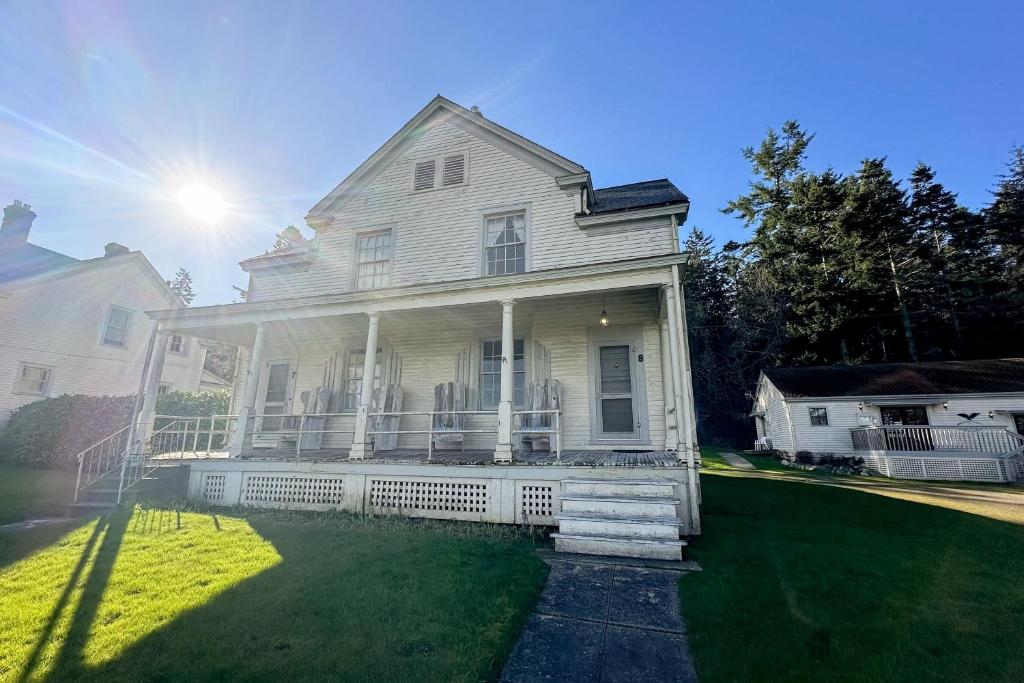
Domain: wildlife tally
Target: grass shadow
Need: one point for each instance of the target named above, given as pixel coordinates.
(16, 545)
(350, 599)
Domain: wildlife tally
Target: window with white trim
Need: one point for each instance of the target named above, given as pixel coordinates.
(33, 379)
(178, 344)
(117, 326)
(819, 417)
(352, 381)
(490, 374)
(505, 243)
(373, 259)
(452, 167)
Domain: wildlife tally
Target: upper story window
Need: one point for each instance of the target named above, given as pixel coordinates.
(373, 259)
(178, 344)
(115, 331)
(505, 243)
(819, 417)
(33, 379)
(447, 170)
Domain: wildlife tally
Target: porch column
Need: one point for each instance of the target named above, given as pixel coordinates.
(252, 383)
(682, 430)
(687, 416)
(503, 451)
(144, 425)
(671, 417)
(360, 442)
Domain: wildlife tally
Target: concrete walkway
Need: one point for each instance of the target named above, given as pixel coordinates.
(604, 622)
(738, 461)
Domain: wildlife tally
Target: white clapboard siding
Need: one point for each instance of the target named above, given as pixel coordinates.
(58, 323)
(771, 402)
(428, 343)
(437, 233)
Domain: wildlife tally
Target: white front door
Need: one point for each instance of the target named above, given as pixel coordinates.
(618, 400)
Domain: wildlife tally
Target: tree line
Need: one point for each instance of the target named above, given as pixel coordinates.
(848, 269)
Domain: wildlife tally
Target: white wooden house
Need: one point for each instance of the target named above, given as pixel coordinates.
(475, 332)
(80, 327)
(941, 420)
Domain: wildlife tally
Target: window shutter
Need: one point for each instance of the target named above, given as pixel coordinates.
(454, 170)
(424, 178)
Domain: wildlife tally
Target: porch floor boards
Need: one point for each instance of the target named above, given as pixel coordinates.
(570, 458)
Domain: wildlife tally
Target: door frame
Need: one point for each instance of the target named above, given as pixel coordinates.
(628, 335)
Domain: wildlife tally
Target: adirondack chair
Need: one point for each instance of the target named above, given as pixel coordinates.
(386, 400)
(538, 431)
(448, 424)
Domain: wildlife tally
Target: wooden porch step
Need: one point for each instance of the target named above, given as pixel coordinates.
(619, 546)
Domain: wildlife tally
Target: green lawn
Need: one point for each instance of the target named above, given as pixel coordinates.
(156, 594)
(27, 493)
(809, 578)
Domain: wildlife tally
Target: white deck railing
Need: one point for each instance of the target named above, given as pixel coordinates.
(918, 438)
(191, 436)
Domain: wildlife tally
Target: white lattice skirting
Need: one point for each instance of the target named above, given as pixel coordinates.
(940, 468)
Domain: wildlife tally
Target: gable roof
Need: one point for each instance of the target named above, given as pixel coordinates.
(636, 195)
(554, 163)
(74, 267)
(901, 379)
(26, 260)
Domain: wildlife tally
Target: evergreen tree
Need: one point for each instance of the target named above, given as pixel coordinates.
(1004, 220)
(181, 285)
(288, 238)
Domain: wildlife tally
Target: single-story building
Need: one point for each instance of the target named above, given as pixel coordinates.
(940, 420)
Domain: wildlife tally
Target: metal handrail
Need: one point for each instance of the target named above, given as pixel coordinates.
(87, 454)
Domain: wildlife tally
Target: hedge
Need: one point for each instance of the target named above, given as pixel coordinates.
(51, 432)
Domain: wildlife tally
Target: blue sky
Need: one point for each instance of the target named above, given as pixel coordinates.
(107, 109)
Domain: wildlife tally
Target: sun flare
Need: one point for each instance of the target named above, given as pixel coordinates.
(202, 202)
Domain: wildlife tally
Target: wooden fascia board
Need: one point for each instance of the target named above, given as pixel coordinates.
(454, 293)
(896, 399)
(602, 219)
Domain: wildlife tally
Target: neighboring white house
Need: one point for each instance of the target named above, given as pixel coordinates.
(919, 418)
(79, 327)
(461, 280)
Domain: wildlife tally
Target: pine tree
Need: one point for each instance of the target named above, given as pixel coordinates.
(1004, 220)
(288, 238)
(181, 285)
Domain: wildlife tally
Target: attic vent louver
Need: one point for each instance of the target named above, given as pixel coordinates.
(424, 177)
(454, 170)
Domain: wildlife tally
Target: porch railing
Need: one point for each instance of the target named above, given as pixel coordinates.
(190, 436)
(286, 428)
(539, 423)
(100, 459)
(431, 430)
(924, 438)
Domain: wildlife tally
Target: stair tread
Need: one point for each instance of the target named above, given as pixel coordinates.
(620, 499)
(621, 539)
(584, 480)
(594, 517)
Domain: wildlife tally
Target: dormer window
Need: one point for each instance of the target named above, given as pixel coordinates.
(448, 170)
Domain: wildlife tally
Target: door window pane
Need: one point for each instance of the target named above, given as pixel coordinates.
(617, 415)
(615, 371)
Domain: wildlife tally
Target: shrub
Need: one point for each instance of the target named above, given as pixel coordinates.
(805, 457)
(193, 404)
(52, 431)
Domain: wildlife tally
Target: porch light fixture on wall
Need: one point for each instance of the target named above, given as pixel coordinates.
(860, 406)
(991, 414)
(604, 313)
(945, 405)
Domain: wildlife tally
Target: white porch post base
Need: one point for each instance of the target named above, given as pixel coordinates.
(238, 435)
(359, 446)
(503, 451)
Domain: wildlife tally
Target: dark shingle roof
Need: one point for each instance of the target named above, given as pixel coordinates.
(901, 379)
(26, 260)
(636, 195)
